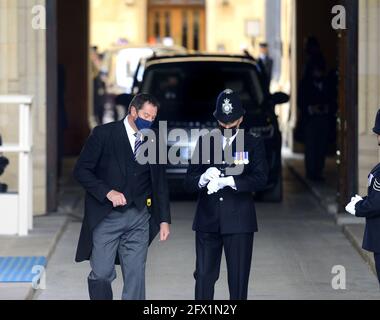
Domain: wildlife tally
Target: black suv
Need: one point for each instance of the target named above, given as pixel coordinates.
(187, 87)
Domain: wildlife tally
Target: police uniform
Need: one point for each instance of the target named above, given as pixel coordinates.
(227, 219)
(369, 208)
(317, 107)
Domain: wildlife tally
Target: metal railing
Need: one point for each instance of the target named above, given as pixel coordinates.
(25, 169)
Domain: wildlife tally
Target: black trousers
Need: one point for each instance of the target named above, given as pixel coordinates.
(316, 143)
(377, 263)
(238, 251)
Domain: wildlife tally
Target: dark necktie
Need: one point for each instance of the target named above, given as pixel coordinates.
(139, 141)
(228, 140)
(227, 149)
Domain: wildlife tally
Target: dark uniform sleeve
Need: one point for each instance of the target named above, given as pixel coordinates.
(370, 206)
(84, 171)
(194, 171)
(256, 177)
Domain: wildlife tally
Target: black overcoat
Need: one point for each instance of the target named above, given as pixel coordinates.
(104, 165)
(229, 211)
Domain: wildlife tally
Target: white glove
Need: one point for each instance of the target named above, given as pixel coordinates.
(350, 208)
(213, 186)
(210, 174)
(220, 183)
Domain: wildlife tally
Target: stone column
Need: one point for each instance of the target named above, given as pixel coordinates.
(23, 71)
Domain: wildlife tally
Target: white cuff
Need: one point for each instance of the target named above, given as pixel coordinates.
(230, 181)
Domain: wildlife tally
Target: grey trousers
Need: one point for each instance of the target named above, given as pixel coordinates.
(125, 234)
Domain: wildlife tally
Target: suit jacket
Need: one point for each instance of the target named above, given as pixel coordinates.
(104, 165)
(267, 67)
(369, 208)
(229, 211)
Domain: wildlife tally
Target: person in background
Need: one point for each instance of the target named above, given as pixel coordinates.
(265, 63)
(369, 208)
(313, 52)
(316, 106)
(99, 86)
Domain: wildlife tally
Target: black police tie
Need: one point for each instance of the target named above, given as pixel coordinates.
(227, 152)
(227, 143)
(138, 143)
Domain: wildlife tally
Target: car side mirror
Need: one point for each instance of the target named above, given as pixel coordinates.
(280, 98)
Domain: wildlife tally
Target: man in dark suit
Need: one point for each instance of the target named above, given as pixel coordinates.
(265, 62)
(369, 208)
(126, 203)
(225, 215)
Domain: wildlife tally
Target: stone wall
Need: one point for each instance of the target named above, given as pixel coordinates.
(23, 71)
(225, 24)
(113, 19)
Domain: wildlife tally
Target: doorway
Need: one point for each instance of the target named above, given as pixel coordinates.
(67, 44)
(182, 25)
(340, 50)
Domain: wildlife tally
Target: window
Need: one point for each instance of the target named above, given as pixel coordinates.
(188, 91)
(157, 32)
(167, 24)
(184, 28)
(196, 29)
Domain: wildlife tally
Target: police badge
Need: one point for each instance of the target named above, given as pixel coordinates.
(227, 107)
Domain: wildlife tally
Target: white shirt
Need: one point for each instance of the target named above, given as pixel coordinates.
(231, 139)
(131, 133)
(263, 56)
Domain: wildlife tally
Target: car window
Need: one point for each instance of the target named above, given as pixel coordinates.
(187, 91)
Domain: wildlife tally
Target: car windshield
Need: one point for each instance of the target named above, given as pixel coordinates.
(187, 91)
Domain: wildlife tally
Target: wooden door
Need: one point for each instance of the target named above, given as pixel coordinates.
(348, 105)
(185, 25)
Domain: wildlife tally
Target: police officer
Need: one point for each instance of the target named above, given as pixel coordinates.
(225, 217)
(265, 63)
(317, 109)
(369, 208)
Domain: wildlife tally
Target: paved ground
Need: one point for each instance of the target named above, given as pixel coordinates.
(39, 242)
(295, 251)
(325, 193)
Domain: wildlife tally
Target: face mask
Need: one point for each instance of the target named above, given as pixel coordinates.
(142, 124)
